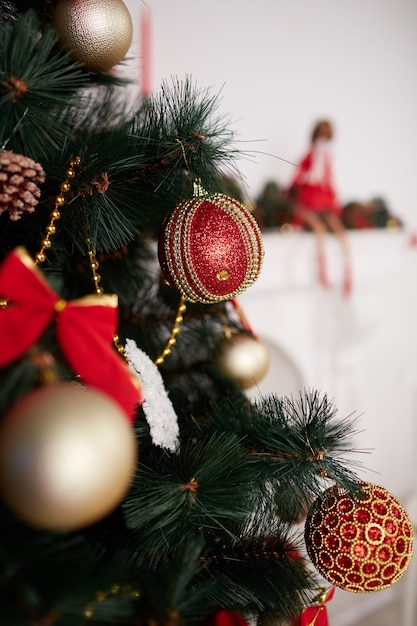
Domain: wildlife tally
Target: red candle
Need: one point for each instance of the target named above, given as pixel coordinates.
(145, 81)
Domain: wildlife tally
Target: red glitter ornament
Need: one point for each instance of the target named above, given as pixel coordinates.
(224, 617)
(210, 248)
(360, 544)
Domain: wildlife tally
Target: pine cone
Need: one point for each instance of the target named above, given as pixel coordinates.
(19, 178)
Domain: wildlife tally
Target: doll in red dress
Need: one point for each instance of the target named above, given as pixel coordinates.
(314, 200)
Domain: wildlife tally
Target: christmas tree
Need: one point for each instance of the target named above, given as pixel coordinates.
(138, 483)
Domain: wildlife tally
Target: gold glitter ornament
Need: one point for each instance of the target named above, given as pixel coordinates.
(360, 544)
(67, 456)
(98, 33)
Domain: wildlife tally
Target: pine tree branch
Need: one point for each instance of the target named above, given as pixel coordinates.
(36, 77)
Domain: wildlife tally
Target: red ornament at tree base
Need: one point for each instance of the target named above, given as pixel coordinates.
(316, 614)
(360, 544)
(224, 617)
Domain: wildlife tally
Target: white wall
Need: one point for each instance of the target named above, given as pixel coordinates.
(282, 64)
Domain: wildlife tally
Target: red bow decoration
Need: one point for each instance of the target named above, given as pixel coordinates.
(84, 328)
(316, 614)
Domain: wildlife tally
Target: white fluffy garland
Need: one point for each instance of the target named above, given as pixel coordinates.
(158, 409)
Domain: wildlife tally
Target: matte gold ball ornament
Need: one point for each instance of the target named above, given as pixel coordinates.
(243, 359)
(97, 33)
(67, 457)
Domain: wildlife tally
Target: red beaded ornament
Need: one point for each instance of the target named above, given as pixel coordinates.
(210, 248)
(360, 544)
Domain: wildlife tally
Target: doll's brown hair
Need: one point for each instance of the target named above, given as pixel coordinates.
(318, 129)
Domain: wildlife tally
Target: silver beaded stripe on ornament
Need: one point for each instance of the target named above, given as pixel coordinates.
(200, 293)
(252, 239)
(324, 561)
(172, 247)
(168, 244)
(177, 248)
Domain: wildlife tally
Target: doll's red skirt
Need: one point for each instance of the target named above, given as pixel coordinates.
(318, 199)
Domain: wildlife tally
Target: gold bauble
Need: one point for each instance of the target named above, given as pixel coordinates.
(242, 359)
(97, 33)
(67, 456)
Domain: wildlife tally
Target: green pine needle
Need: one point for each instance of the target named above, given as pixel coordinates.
(37, 77)
(206, 487)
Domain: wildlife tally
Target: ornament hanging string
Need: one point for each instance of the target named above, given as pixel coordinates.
(316, 456)
(84, 328)
(242, 317)
(198, 189)
(184, 156)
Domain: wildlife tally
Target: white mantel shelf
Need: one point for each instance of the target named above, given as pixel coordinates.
(289, 258)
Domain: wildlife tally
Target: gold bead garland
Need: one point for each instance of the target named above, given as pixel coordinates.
(55, 215)
(101, 596)
(174, 332)
(94, 265)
